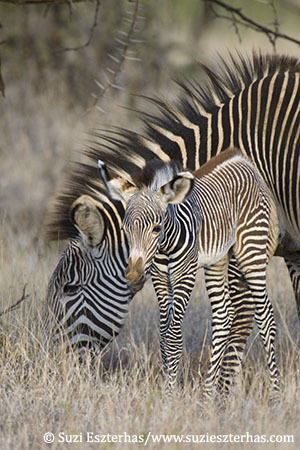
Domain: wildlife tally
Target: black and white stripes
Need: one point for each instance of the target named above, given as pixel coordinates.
(197, 220)
(88, 295)
(251, 103)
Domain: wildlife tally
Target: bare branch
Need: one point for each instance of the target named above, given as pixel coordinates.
(250, 23)
(15, 305)
(91, 34)
(275, 23)
(236, 28)
(276, 17)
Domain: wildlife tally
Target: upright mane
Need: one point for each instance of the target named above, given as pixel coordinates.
(156, 173)
(168, 134)
(234, 73)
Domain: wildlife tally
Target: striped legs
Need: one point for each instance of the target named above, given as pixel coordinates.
(172, 306)
(222, 318)
(254, 270)
(162, 287)
(244, 307)
(264, 317)
(234, 301)
(248, 296)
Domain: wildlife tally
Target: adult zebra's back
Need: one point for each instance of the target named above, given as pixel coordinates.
(250, 103)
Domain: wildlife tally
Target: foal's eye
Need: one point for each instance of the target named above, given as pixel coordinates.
(156, 229)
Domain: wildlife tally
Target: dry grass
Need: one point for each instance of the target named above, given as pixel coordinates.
(124, 390)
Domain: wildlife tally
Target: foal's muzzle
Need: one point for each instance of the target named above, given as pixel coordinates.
(135, 274)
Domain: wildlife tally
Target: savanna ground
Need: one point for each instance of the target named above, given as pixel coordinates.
(43, 120)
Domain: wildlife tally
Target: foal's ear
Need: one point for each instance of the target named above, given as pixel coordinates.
(117, 188)
(87, 217)
(178, 189)
(120, 189)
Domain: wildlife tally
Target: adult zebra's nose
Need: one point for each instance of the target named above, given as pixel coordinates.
(135, 273)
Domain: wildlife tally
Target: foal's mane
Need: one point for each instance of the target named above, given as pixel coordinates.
(156, 173)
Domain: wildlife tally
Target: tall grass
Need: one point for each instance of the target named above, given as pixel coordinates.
(123, 389)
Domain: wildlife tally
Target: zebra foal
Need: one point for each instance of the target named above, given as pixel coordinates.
(176, 221)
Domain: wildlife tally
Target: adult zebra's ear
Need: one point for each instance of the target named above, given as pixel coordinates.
(86, 216)
(178, 189)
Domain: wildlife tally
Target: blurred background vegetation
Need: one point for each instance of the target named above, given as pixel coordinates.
(174, 34)
(50, 92)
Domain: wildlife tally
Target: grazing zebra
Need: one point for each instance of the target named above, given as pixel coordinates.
(88, 295)
(223, 207)
(249, 103)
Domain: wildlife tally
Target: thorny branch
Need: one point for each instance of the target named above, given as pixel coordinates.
(15, 305)
(125, 42)
(239, 18)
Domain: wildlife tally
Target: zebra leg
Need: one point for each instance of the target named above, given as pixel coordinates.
(254, 271)
(173, 294)
(293, 265)
(173, 337)
(244, 308)
(222, 317)
(264, 317)
(161, 284)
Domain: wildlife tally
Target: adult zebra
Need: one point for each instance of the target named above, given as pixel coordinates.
(250, 103)
(88, 296)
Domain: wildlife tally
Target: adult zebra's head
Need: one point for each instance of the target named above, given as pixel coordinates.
(157, 185)
(88, 293)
